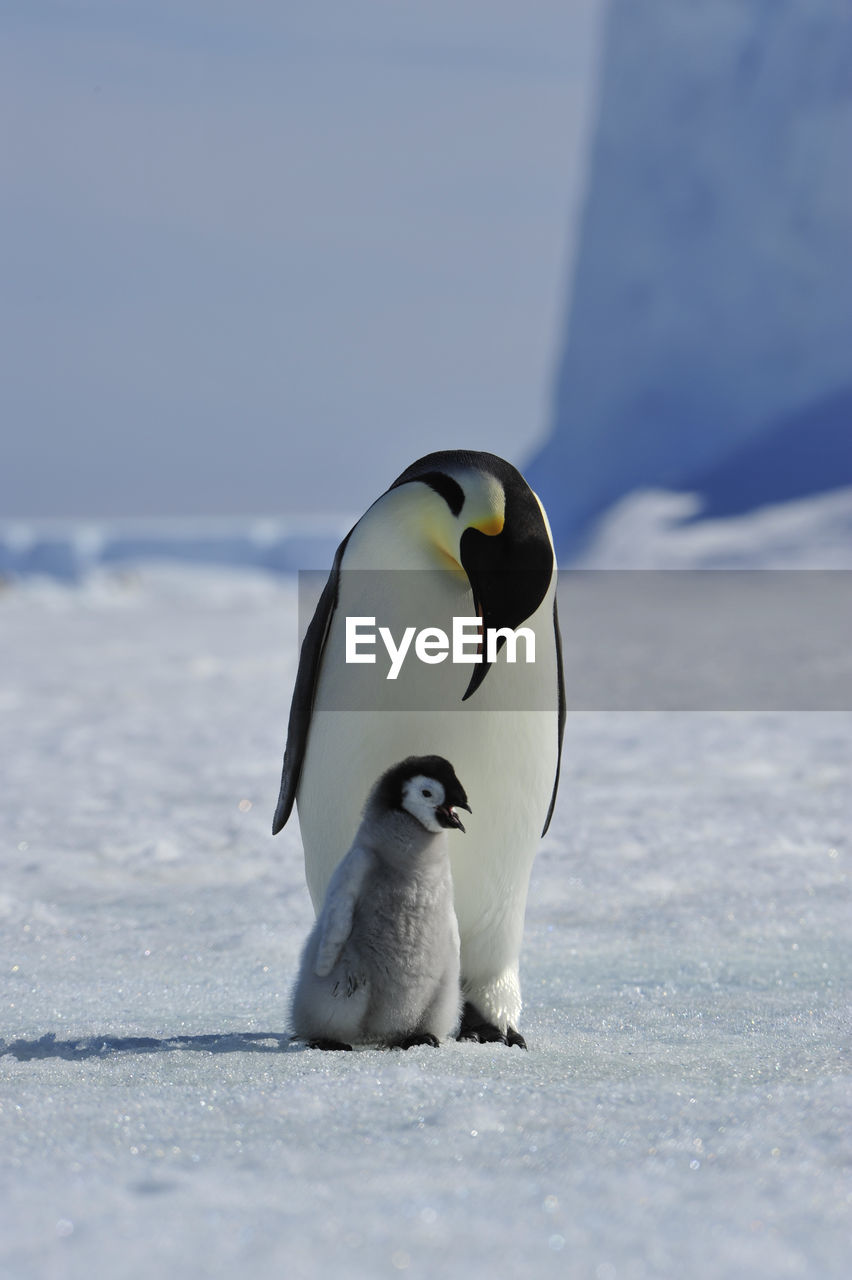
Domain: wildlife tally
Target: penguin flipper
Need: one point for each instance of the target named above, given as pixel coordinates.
(310, 660)
(560, 685)
(336, 917)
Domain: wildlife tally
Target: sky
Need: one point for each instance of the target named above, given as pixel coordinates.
(258, 258)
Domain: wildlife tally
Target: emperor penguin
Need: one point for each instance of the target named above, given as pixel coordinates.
(458, 535)
(381, 965)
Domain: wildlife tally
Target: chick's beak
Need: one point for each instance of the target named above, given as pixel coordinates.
(448, 817)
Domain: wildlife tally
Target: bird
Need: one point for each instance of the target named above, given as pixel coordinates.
(458, 534)
(381, 964)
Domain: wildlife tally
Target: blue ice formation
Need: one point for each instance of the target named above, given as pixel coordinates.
(709, 337)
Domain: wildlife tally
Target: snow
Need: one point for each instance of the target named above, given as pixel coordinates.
(684, 1105)
(660, 529)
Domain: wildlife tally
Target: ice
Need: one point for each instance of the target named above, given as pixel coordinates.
(69, 550)
(666, 530)
(684, 1105)
(707, 336)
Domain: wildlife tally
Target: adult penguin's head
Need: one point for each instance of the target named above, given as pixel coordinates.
(497, 533)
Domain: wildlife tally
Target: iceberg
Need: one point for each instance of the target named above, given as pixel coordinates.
(709, 336)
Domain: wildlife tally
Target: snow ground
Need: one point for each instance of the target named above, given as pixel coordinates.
(684, 1105)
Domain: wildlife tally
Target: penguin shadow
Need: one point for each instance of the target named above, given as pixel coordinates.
(79, 1050)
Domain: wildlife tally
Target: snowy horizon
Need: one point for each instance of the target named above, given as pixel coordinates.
(648, 530)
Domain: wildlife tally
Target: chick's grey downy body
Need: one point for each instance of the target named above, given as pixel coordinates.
(381, 965)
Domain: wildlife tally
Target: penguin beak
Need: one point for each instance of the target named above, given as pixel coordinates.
(448, 817)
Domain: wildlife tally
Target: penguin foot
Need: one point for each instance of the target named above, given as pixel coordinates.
(409, 1042)
(329, 1044)
(475, 1027)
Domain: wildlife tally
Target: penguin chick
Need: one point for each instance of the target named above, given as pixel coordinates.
(381, 965)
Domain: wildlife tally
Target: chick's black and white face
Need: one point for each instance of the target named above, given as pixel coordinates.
(424, 798)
